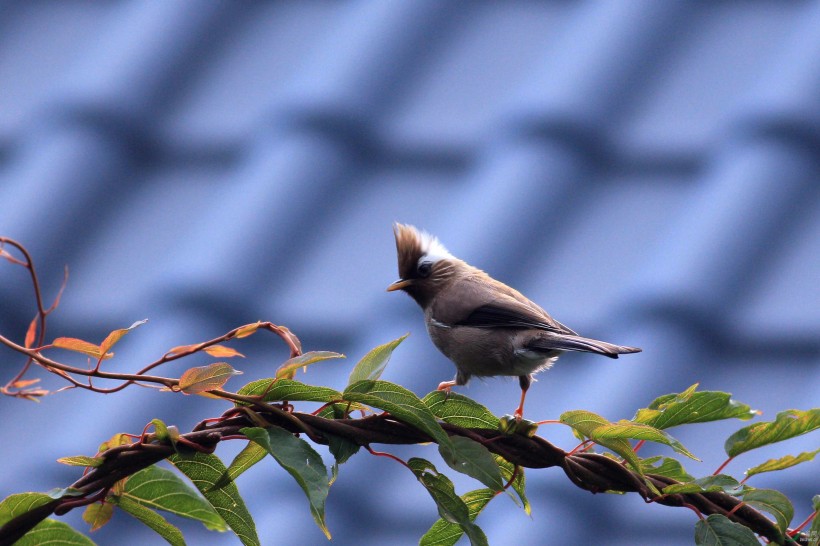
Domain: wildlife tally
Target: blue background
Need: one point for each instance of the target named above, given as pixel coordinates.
(646, 171)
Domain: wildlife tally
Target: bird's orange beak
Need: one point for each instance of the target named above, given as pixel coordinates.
(399, 284)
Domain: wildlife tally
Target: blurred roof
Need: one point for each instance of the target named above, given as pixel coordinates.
(647, 171)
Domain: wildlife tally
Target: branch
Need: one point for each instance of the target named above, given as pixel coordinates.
(590, 471)
(39, 322)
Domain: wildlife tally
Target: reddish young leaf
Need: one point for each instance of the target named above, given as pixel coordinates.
(31, 333)
(221, 351)
(32, 395)
(182, 349)
(292, 337)
(9, 257)
(204, 378)
(23, 383)
(116, 335)
(119, 439)
(119, 487)
(247, 330)
(80, 346)
(98, 514)
(56, 302)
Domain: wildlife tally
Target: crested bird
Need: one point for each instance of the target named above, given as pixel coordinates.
(484, 326)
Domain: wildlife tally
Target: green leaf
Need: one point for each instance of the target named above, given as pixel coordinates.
(510, 424)
(773, 502)
(787, 424)
(62, 492)
(301, 461)
(251, 454)
(444, 533)
(48, 531)
(205, 378)
(288, 369)
(21, 503)
(162, 489)
(342, 449)
(629, 430)
(160, 429)
(708, 484)
(205, 470)
(469, 457)
(814, 531)
(781, 463)
(451, 507)
(668, 467)
(400, 403)
(459, 410)
(371, 366)
(80, 460)
(165, 433)
(340, 410)
(519, 483)
(689, 406)
(586, 423)
(718, 530)
(615, 436)
(276, 390)
(150, 518)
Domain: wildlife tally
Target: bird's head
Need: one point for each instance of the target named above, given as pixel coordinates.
(425, 266)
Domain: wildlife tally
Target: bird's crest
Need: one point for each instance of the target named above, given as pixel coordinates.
(412, 244)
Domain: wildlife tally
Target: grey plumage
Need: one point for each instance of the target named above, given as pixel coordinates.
(484, 326)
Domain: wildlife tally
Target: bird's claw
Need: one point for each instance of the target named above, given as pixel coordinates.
(445, 386)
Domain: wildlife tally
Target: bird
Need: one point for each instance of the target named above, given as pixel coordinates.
(483, 326)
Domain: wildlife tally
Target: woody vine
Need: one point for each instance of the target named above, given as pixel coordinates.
(367, 413)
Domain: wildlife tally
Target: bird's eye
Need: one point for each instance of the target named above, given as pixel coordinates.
(425, 268)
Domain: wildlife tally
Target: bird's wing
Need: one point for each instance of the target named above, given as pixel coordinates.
(510, 313)
(482, 302)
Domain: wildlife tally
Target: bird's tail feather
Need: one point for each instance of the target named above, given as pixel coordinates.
(578, 343)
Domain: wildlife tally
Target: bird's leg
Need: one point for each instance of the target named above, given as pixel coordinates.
(446, 385)
(525, 381)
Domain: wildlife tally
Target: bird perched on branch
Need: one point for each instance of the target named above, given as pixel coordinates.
(485, 327)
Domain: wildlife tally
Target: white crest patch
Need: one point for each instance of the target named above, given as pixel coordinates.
(432, 249)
